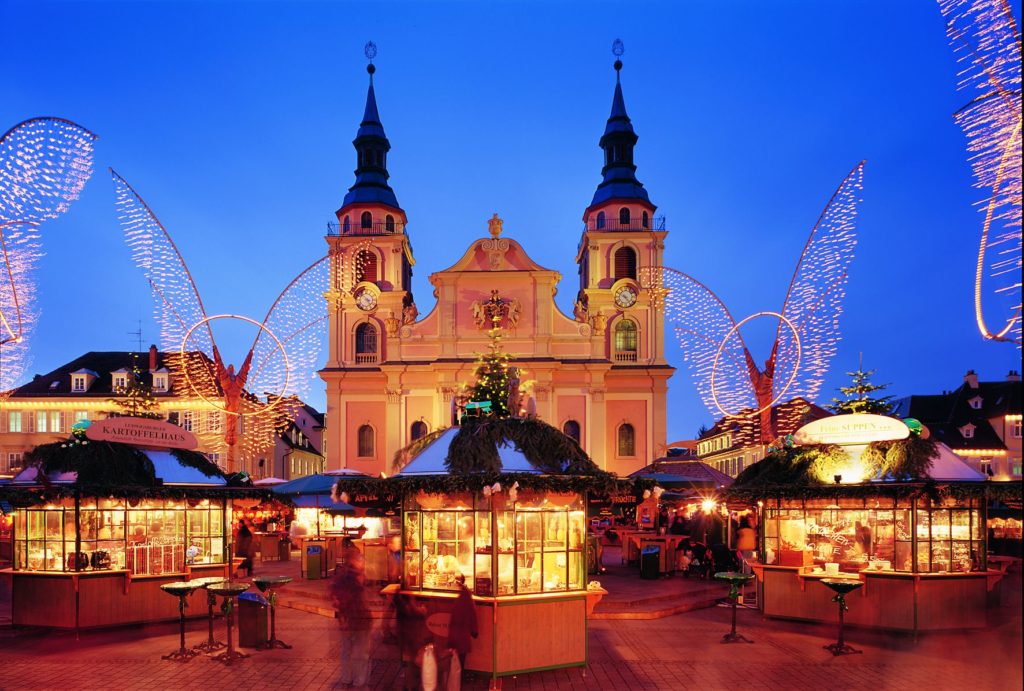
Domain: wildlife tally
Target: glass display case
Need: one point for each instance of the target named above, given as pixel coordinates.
(884, 534)
(145, 537)
(533, 545)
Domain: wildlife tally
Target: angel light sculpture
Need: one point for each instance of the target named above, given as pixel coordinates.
(727, 376)
(283, 356)
(44, 164)
(987, 40)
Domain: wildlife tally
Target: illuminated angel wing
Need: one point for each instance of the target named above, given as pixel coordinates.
(807, 337)
(713, 348)
(177, 306)
(287, 350)
(44, 163)
(987, 40)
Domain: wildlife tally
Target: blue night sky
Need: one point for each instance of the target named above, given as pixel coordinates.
(234, 121)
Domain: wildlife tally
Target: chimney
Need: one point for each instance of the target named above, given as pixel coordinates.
(152, 358)
(971, 379)
(1014, 375)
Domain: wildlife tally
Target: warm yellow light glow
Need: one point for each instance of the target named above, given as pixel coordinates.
(708, 505)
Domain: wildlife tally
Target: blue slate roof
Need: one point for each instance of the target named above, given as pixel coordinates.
(619, 177)
(371, 186)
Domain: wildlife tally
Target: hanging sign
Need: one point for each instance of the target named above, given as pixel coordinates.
(856, 428)
(139, 431)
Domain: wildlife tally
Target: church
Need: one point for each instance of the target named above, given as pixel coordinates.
(396, 366)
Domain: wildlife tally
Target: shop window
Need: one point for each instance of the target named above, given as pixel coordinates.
(366, 442)
(366, 220)
(366, 343)
(625, 263)
(366, 266)
(624, 216)
(389, 223)
(571, 429)
(600, 220)
(627, 440)
(625, 341)
(418, 430)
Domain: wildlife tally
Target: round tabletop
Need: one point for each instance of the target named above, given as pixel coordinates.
(228, 588)
(180, 588)
(205, 581)
(733, 576)
(842, 585)
(266, 582)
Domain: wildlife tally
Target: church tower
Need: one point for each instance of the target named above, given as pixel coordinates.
(621, 239)
(371, 291)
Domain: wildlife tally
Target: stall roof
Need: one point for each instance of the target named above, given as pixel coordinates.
(682, 472)
(950, 467)
(431, 460)
(320, 483)
(319, 501)
(167, 468)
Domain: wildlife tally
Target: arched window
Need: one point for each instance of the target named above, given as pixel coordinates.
(600, 219)
(366, 220)
(389, 223)
(571, 429)
(418, 430)
(625, 263)
(625, 341)
(627, 440)
(624, 216)
(645, 220)
(366, 441)
(366, 343)
(346, 225)
(366, 266)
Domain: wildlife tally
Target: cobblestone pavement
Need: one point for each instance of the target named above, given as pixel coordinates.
(676, 652)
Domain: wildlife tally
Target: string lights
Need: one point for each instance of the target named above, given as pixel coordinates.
(727, 377)
(987, 41)
(279, 365)
(44, 163)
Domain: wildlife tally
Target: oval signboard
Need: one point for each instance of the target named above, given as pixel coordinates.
(857, 428)
(139, 431)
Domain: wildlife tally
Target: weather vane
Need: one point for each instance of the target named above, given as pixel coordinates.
(617, 50)
(370, 51)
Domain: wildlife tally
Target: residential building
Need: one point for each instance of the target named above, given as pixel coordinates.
(600, 374)
(730, 445)
(298, 450)
(979, 420)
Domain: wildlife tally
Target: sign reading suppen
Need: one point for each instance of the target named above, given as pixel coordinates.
(858, 428)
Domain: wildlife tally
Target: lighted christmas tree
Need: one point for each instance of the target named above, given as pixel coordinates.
(137, 399)
(496, 380)
(858, 398)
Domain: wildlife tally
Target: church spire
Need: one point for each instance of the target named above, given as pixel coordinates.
(618, 141)
(372, 146)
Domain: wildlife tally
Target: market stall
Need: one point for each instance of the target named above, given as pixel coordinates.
(515, 529)
(99, 527)
(909, 525)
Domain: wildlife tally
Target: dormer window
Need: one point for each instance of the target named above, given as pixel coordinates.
(82, 380)
(967, 431)
(160, 382)
(119, 381)
(975, 402)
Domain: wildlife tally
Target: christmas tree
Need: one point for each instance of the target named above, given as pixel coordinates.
(858, 398)
(496, 381)
(137, 398)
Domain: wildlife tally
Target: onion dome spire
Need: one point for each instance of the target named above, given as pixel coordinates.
(618, 141)
(371, 146)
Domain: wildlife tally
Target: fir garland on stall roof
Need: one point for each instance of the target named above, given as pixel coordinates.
(475, 448)
(447, 483)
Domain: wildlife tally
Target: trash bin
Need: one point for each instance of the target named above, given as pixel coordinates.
(284, 549)
(314, 558)
(252, 620)
(649, 558)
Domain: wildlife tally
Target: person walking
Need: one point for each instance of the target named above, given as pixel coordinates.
(348, 594)
(461, 629)
(412, 633)
(245, 548)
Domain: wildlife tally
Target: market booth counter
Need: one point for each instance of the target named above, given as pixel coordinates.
(917, 546)
(89, 558)
(521, 550)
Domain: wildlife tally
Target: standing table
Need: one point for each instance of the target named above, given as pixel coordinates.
(181, 590)
(229, 590)
(841, 586)
(267, 584)
(735, 580)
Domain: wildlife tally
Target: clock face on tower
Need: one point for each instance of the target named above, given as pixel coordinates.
(366, 300)
(625, 296)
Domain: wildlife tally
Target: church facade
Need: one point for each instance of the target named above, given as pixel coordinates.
(394, 373)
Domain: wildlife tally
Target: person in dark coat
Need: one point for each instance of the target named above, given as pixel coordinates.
(412, 633)
(245, 548)
(347, 591)
(463, 625)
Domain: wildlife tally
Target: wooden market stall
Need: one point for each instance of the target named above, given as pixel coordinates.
(100, 526)
(911, 529)
(514, 525)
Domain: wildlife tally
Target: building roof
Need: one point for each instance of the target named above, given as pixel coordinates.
(100, 364)
(673, 470)
(947, 414)
(787, 417)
